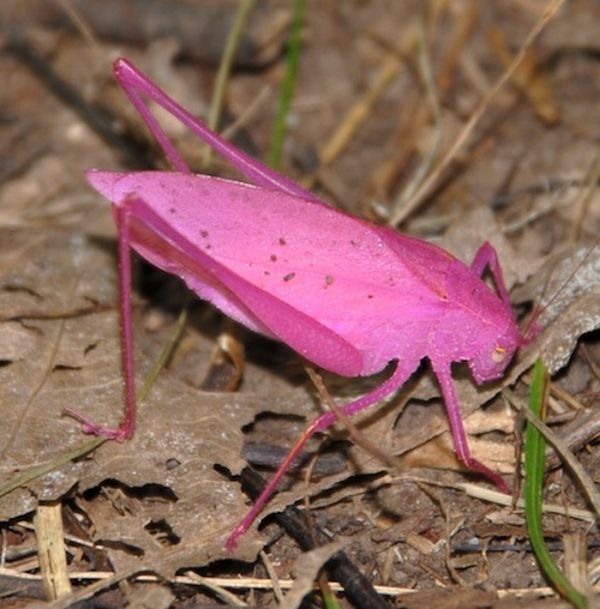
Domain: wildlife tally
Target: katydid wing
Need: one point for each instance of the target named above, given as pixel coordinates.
(348, 295)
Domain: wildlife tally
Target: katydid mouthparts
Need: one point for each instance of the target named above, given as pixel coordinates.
(348, 295)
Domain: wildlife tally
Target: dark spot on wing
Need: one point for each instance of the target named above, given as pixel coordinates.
(282, 241)
(328, 279)
(204, 233)
(273, 258)
(289, 276)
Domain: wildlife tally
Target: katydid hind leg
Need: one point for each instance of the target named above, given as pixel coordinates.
(459, 437)
(127, 427)
(487, 257)
(136, 83)
(399, 376)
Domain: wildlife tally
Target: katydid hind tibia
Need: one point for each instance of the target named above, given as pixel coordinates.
(348, 295)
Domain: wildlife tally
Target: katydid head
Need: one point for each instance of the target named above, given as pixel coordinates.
(495, 353)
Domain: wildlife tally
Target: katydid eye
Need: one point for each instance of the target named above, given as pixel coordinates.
(498, 354)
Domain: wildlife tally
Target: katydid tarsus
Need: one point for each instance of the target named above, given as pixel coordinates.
(347, 295)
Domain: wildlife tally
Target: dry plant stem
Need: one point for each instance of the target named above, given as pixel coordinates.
(529, 78)
(359, 112)
(233, 583)
(454, 574)
(491, 496)
(462, 138)
(354, 118)
(576, 563)
(464, 24)
(233, 39)
(306, 500)
(484, 494)
(477, 492)
(273, 575)
(51, 550)
(248, 583)
(518, 437)
(558, 392)
(111, 580)
(429, 83)
(80, 24)
(387, 173)
(588, 485)
(580, 431)
(585, 198)
(473, 73)
(250, 111)
(322, 580)
(231, 599)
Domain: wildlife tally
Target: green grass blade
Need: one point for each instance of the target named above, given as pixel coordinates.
(287, 88)
(32, 473)
(535, 459)
(329, 600)
(231, 46)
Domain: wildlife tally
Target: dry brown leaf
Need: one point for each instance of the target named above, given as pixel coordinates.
(74, 362)
(573, 297)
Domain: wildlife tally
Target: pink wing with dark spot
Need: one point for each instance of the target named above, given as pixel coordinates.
(329, 285)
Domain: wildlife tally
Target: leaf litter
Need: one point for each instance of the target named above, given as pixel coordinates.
(163, 501)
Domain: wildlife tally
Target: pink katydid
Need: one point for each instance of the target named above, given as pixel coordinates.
(348, 295)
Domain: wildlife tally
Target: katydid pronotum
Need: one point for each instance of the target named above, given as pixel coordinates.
(348, 295)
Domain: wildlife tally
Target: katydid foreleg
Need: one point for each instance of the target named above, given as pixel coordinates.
(487, 257)
(457, 428)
